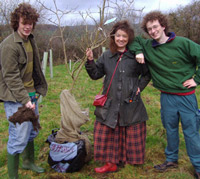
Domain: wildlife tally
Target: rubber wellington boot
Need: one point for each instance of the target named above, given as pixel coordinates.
(28, 159)
(108, 167)
(13, 165)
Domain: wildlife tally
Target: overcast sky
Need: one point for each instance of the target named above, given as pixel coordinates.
(83, 5)
(163, 5)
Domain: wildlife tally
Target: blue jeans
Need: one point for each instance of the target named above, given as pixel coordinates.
(20, 134)
(185, 109)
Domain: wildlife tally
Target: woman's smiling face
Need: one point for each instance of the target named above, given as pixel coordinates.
(121, 39)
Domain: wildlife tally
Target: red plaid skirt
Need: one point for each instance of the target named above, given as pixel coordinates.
(122, 144)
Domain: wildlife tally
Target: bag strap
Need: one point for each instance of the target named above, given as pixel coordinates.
(114, 71)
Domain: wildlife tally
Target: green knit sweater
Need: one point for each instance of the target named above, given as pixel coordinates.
(172, 63)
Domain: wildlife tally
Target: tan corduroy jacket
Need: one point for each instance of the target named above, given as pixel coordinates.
(13, 63)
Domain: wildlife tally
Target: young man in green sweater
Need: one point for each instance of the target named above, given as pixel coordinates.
(174, 63)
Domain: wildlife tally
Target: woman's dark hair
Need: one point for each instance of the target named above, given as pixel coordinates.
(126, 27)
(27, 12)
(155, 15)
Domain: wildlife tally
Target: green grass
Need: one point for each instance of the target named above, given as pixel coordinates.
(84, 92)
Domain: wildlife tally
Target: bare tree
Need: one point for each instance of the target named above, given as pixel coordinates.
(92, 39)
(125, 9)
(6, 7)
(59, 14)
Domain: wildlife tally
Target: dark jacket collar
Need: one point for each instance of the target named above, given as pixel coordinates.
(127, 53)
(171, 36)
(17, 37)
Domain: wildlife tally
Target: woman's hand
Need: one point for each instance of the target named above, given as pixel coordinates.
(138, 91)
(89, 54)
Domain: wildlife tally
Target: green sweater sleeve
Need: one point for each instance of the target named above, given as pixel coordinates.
(137, 45)
(194, 50)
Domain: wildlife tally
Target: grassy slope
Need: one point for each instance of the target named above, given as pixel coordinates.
(84, 92)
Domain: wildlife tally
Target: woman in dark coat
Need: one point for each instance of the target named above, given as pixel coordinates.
(120, 126)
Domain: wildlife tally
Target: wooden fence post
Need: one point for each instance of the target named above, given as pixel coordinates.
(70, 64)
(44, 65)
(103, 49)
(51, 62)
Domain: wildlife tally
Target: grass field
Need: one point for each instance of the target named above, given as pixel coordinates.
(84, 92)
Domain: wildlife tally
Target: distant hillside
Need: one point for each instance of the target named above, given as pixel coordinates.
(46, 27)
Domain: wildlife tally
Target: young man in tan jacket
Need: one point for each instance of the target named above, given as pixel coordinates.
(21, 79)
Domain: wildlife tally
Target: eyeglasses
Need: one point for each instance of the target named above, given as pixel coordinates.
(153, 28)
